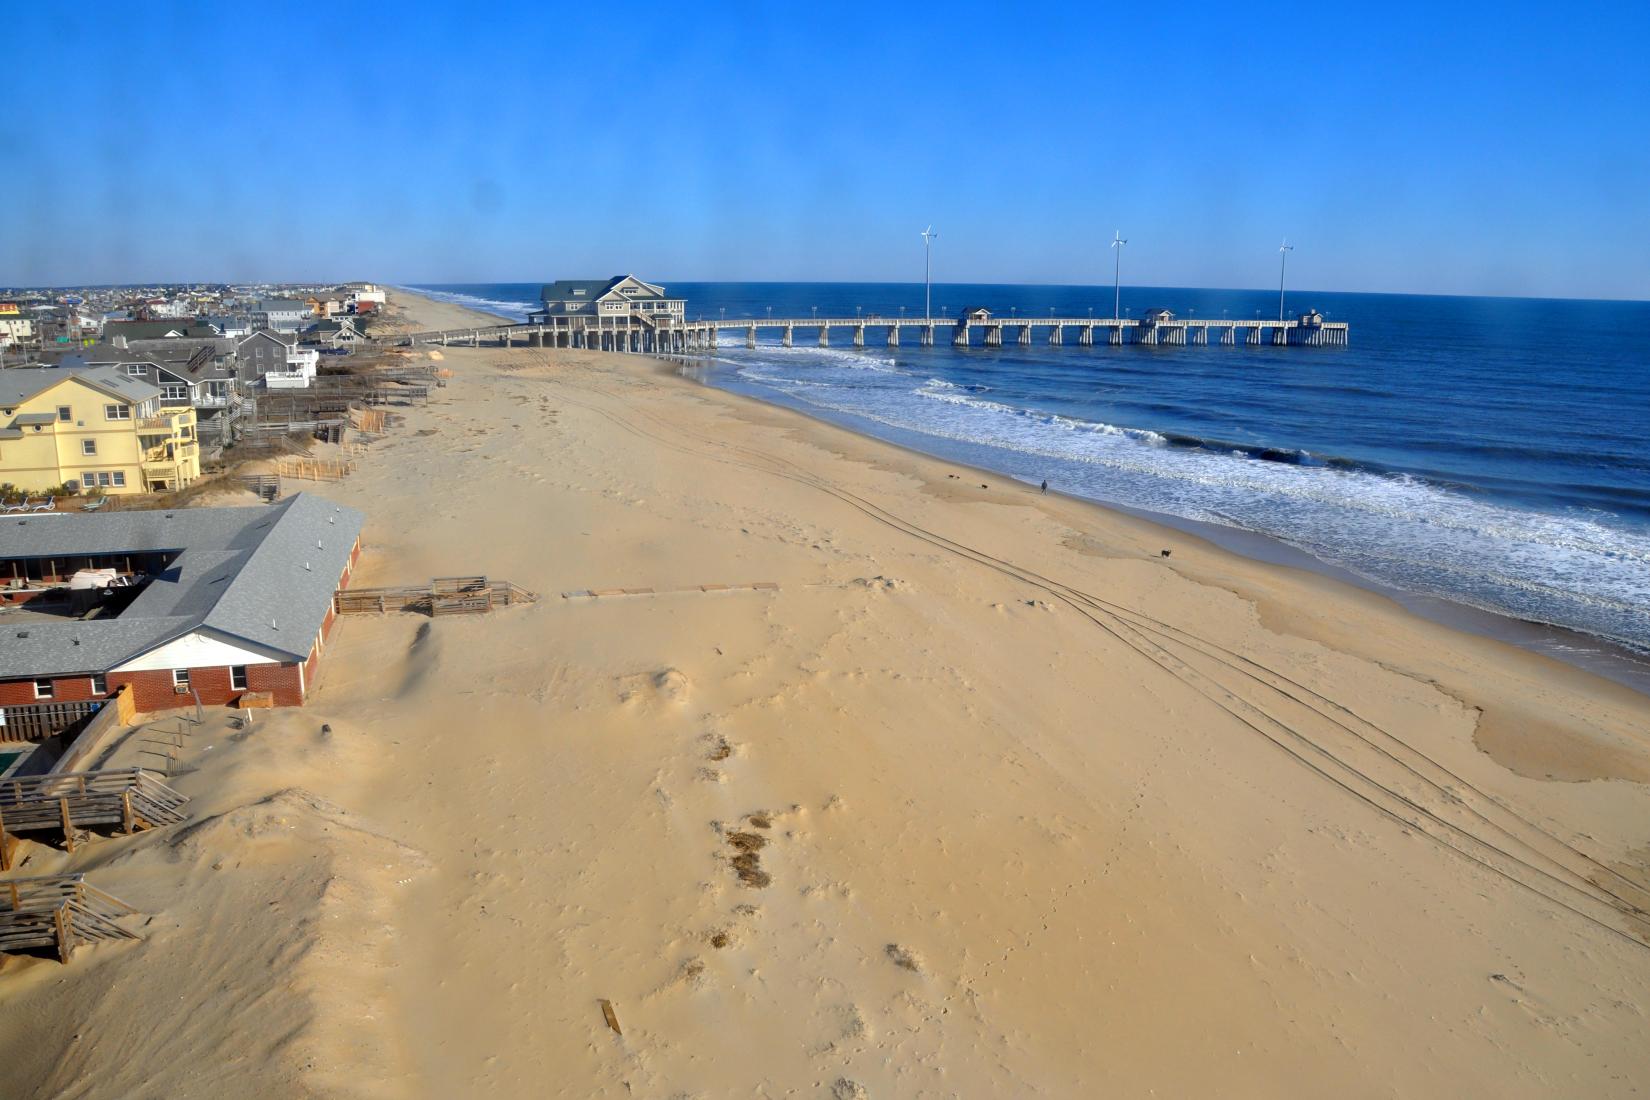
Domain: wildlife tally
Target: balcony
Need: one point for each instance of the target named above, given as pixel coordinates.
(150, 425)
(171, 454)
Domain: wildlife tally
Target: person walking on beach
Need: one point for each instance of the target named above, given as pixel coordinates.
(1045, 486)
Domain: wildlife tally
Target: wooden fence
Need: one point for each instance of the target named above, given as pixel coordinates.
(313, 469)
(39, 721)
(442, 596)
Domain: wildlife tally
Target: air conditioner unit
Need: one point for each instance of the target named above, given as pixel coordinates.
(180, 689)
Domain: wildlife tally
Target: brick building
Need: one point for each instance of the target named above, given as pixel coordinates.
(208, 603)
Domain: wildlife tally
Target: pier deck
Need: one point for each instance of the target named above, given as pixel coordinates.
(664, 335)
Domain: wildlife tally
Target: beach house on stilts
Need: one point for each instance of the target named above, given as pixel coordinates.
(617, 314)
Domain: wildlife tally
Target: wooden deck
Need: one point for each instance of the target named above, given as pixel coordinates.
(58, 911)
(128, 797)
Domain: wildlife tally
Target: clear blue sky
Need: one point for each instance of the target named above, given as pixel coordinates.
(1432, 148)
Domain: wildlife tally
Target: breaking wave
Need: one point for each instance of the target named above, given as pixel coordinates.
(1570, 567)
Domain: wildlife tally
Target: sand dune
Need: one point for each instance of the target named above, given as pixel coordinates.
(984, 799)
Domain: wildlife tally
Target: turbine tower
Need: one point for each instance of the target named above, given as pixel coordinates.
(1117, 242)
(1283, 264)
(928, 239)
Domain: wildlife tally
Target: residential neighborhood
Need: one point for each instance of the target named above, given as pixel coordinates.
(191, 363)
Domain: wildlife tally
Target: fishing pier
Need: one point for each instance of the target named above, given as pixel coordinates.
(656, 335)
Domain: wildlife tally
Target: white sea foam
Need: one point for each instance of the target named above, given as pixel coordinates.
(1569, 569)
(511, 311)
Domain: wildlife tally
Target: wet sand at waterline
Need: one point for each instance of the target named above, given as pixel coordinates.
(985, 798)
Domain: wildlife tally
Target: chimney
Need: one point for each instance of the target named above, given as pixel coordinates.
(120, 341)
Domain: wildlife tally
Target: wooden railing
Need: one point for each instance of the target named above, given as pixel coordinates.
(59, 911)
(442, 596)
(129, 797)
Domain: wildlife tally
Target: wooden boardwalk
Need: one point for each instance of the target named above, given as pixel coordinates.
(58, 911)
(128, 797)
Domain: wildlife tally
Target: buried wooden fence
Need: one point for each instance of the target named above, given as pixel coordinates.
(442, 596)
(60, 911)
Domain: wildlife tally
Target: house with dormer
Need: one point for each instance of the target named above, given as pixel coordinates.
(623, 298)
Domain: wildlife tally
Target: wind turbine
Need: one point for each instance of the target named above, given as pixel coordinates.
(1283, 264)
(928, 239)
(1117, 242)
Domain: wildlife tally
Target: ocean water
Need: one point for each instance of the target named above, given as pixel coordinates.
(1492, 453)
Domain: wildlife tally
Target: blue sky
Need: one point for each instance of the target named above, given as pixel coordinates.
(1438, 148)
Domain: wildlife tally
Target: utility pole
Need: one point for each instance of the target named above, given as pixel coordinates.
(1283, 265)
(928, 238)
(1117, 243)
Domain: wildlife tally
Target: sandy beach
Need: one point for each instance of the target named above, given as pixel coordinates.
(896, 779)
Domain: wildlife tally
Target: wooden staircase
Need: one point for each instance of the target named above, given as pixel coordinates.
(59, 911)
(129, 797)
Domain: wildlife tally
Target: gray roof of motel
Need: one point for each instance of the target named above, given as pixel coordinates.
(264, 575)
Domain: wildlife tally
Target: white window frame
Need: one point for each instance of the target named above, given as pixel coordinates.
(120, 479)
(180, 678)
(88, 448)
(237, 678)
(100, 684)
(137, 370)
(49, 693)
(117, 412)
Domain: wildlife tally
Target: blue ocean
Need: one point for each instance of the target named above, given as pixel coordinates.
(1491, 453)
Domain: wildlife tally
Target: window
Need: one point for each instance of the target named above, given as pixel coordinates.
(100, 685)
(103, 479)
(44, 689)
(117, 412)
(88, 446)
(137, 370)
(237, 678)
(180, 677)
(64, 412)
(120, 479)
(175, 393)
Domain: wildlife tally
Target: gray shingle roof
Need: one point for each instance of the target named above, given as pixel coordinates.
(263, 575)
(580, 289)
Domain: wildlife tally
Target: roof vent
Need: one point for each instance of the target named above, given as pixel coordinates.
(307, 568)
(22, 633)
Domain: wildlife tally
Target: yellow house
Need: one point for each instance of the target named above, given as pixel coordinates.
(96, 427)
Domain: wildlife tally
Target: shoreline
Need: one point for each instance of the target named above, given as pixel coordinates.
(1577, 649)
